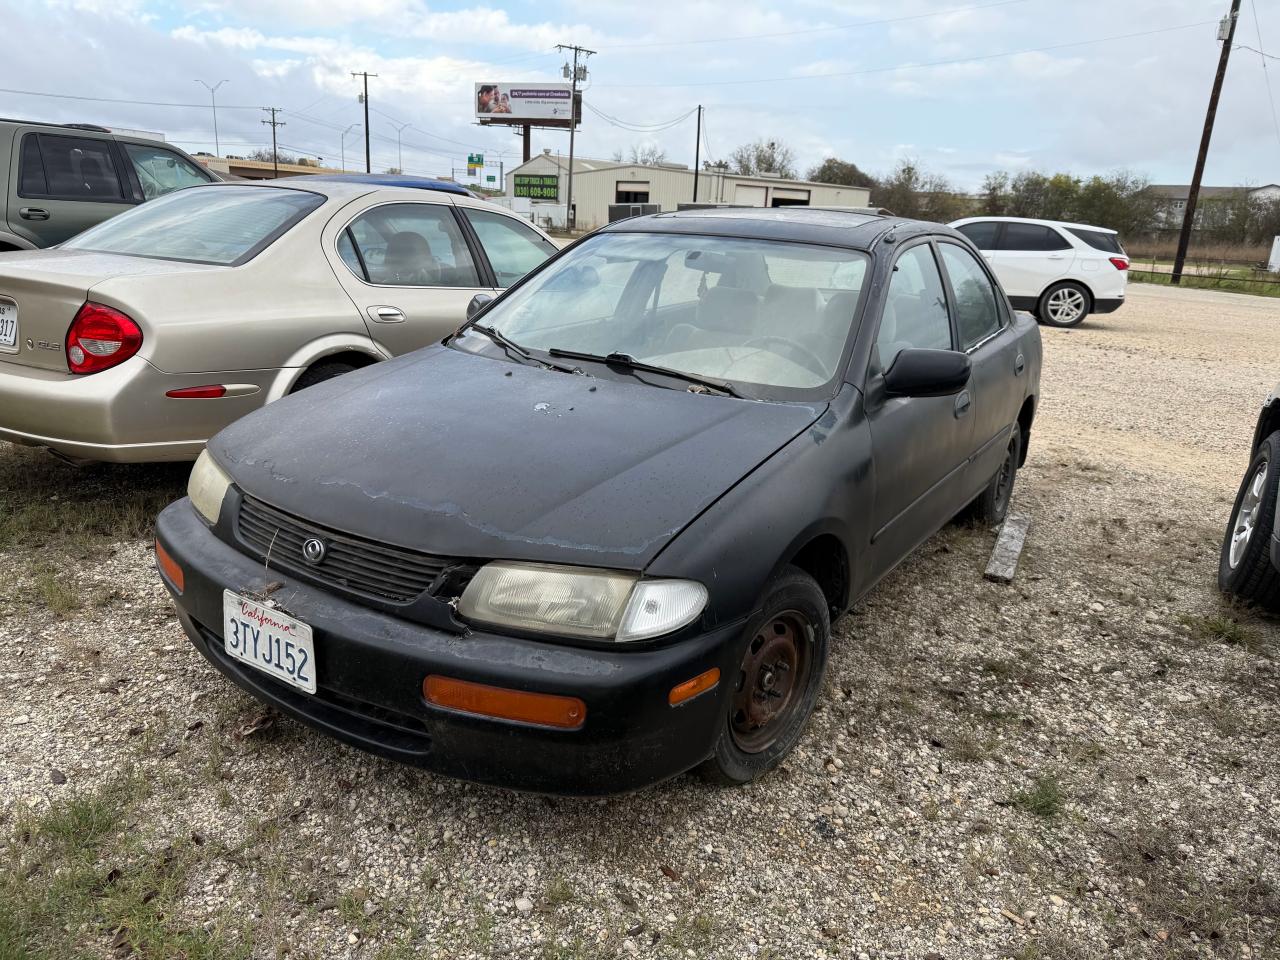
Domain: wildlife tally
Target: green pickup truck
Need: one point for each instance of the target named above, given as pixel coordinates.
(60, 179)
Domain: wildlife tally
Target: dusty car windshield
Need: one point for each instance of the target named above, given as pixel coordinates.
(221, 225)
(743, 311)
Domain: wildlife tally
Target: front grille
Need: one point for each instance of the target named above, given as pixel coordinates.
(350, 563)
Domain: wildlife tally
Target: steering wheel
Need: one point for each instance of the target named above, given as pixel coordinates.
(803, 355)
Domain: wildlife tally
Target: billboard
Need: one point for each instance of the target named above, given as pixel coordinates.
(541, 104)
(537, 186)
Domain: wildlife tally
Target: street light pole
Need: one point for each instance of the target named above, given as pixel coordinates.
(400, 150)
(344, 145)
(213, 98)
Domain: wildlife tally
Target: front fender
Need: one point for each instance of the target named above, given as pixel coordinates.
(813, 486)
(318, 349)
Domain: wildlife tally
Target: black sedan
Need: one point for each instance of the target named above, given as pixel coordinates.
(598, 536)
(1249, 565)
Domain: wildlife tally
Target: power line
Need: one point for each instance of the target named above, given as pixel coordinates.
(640, 127)
(1266, 77)
(1261, 53)
(811, 30)
(910, 66)
(135, 103)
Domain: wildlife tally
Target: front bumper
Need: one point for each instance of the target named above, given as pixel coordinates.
(370, 667)
(119, 415)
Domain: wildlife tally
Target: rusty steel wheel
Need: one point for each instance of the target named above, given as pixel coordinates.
(774, 673)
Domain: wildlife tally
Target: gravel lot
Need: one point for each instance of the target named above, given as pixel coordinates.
(1082, 764)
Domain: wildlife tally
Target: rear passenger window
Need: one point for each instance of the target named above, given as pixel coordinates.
(513, 249)
(982, 234)
(1032, 236)
(31, 181)
(915, 309)
(411, 245)
(978, 313)
(78, 168)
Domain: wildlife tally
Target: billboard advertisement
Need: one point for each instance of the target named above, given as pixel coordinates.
(538, 103)
(537, 187)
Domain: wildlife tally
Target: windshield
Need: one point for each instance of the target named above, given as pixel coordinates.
(220, 225)
(755, 312)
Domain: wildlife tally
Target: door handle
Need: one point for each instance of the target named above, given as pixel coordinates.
(1019, 364)
(33, 213)
(1057, 256)
(963, 403)
(386, 314)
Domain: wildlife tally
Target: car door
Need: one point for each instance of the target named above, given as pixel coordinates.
(410, 269)
(997, 383)
(920, 445)
(1028, 257)
(63, 184)
(511, 246)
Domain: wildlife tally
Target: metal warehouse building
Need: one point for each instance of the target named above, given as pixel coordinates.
(542, 184)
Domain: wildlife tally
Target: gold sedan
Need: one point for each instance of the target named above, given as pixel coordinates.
(144, 336)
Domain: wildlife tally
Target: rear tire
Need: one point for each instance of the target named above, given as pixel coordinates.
(992, 505)
(1064, 304)
(1244, 567)
(321, 372)
(774, 692)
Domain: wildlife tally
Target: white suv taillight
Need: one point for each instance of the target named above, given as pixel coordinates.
(1120, 263)
(101, 337)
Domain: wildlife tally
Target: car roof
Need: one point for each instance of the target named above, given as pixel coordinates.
(388, 180)
(1044, 223)
(840, 228)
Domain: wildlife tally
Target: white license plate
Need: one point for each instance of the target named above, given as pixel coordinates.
(8, 323)
(273, 642)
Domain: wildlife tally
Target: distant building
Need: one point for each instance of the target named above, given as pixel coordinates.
(1172, 199)
(543, 181)
(240, 168)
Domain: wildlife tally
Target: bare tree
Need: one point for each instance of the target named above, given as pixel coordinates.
(644, 154)
(764, 156)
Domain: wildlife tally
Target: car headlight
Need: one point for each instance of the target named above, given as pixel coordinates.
(580, 601)
(207, 486)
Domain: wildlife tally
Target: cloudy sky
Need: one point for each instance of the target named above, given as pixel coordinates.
(964, 87)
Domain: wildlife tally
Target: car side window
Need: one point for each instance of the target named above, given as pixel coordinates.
(978, 313)
(983, 233)
(74, 168)
(411, 245)
(1032, 236)
(915, 307)
(162, 171)
(31, 179)
(513, 249)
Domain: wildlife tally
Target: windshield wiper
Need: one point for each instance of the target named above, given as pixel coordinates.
(514, 349)
(628, 362)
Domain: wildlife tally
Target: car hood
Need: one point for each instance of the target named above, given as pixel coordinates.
(463, 455)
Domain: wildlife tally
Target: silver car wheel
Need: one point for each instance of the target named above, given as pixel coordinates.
(1246, 518)
(1066, 305)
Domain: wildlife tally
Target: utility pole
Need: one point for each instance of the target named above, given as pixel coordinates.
(364, 98)
(579, 73)
(213, 98)
(400, 150)
(1226, 34)
(344, 145)
(697, 155)
(273, 123)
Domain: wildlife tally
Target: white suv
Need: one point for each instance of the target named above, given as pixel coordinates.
(1061, 272)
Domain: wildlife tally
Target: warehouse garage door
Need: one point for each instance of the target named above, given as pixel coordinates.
(783, 197)
(749, 195)
(635, 191)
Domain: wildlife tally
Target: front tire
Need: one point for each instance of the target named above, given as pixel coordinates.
(321, 372)
(1064, 304)
(1244, 567)
(780, 676)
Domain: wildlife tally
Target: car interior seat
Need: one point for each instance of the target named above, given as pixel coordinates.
(725, 316)
(408, 261)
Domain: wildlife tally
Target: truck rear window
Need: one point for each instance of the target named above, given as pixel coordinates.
(223, 225)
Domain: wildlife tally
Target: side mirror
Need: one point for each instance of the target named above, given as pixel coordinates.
(478, 303)
(927, 373)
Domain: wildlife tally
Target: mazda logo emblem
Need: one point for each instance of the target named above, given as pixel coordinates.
(313, 550)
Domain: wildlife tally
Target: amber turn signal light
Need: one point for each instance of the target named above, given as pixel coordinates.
(480, 699)
(169, 567)
(691, 688)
